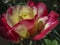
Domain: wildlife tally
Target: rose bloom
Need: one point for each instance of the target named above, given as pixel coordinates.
(30, 21)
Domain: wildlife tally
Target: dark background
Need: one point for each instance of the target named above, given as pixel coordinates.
(51, 4)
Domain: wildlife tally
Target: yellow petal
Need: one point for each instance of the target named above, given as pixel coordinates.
(22, 31)
(14, 18)
(26, 12)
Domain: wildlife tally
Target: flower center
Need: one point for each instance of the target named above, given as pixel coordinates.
(26, 12)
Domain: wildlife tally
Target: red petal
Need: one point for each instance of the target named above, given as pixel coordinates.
(30, 3)
(8, 33)
(53, 16)
(42, 9)
(5, 23)
(51, 24)
(10, 10)
(27, 23)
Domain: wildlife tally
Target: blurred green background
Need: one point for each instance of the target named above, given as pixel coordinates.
(53, 38)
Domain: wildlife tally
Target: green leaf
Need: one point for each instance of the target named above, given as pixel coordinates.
(47, 41)
(54, 42)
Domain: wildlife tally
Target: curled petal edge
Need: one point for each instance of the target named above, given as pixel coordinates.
(48, 26)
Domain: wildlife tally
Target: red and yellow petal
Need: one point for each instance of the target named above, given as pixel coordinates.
(14, 16)
(22, 28)
(33, 6)
(48, 26)
(42, 9)
(8, 33)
